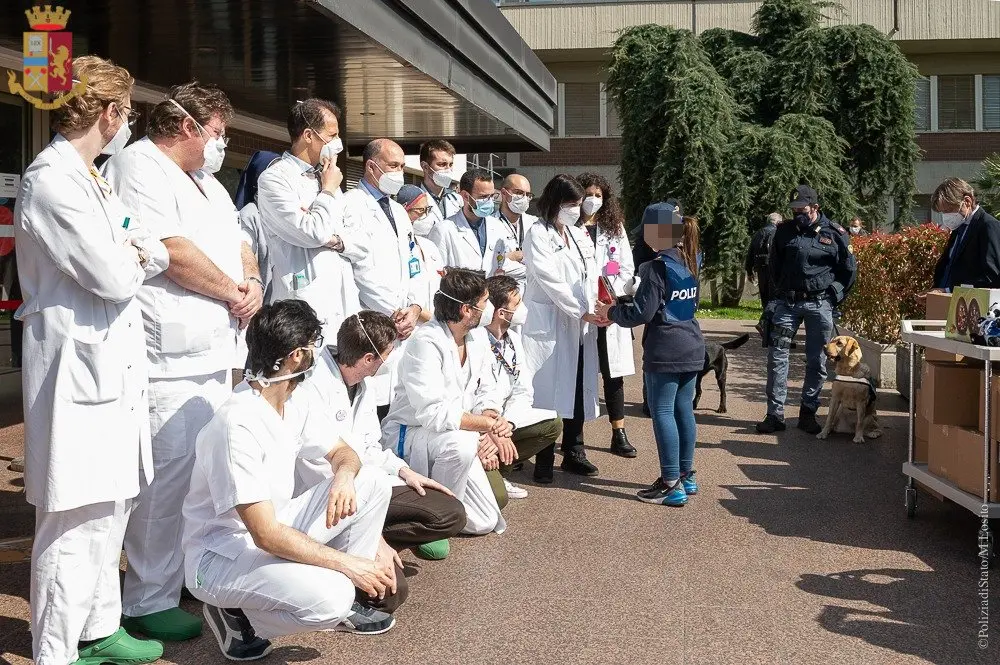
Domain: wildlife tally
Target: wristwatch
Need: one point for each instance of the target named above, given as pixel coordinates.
(252, 278)
(143, 256)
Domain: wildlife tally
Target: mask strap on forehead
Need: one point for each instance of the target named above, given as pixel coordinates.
(452, 298)
(369, 337)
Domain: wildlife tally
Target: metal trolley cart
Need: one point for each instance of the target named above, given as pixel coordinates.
(930, 334)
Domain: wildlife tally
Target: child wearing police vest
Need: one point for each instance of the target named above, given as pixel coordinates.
(673, 347)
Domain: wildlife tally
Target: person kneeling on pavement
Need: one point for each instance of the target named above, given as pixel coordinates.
(264, 563)
(812, 270)
(422, 514)
(445, 419)
(535, 430)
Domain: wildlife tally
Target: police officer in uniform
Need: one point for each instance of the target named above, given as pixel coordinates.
(812, 269)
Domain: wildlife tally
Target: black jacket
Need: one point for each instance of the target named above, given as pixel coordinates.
(760, 247)
(816, 261)
(977, 258)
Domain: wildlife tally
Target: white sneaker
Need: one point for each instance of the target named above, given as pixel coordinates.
(513, 491)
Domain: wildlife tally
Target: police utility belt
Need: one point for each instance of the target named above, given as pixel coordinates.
(804, 296)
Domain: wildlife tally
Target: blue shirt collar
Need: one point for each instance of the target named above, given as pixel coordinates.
(305, 166)
(375, 192)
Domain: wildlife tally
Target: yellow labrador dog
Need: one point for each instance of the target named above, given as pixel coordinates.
(852, 400)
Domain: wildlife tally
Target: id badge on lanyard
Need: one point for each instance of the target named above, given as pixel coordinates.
(414, 263)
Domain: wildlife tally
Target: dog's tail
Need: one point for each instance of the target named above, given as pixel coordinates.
(736, 343)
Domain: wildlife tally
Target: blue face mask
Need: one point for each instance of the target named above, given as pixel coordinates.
(484, 208)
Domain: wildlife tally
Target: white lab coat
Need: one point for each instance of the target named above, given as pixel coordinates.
(299, 221)
(561, 288)
(380, 259)
(324, 395)
(459, 245)
(621, 362)
(86, 425)
(449, 204)
(518, 394)
(431, 269)
(517, 235)
(424, 421)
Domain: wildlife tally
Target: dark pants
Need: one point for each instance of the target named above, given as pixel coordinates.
(764, 286)
(382, 412)
(415, 520)
(392, 601)
(614, 387)
(572, 434)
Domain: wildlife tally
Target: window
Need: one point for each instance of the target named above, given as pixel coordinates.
(582, 109)
(921, 210)
(956, 102)
(614, 126)
(922, 95)
(991, 102)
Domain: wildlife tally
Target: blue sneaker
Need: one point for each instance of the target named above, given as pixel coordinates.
(689, 483)
(661, 492)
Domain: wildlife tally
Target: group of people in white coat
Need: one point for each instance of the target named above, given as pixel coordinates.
(404, 349)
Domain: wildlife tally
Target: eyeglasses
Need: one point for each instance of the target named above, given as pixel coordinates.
(495, 197)
(420, 211)
(215, 133)
(129, 114)
(521, 192)
(318, 342)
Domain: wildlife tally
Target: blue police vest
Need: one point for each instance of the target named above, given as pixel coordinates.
(681, 298)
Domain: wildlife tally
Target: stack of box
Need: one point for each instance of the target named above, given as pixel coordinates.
(950, 415)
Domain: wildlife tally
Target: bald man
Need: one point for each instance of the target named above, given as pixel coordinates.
(381, 251)
(515, 197)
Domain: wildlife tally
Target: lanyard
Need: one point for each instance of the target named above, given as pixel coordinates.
(578, 251)
(511, 367)
(518, 232)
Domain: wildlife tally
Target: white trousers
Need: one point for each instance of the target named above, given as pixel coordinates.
(178, 410)
(74, 578)
(281, 597)
(452, 459)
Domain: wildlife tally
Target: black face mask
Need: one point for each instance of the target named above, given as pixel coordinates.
(802, 219)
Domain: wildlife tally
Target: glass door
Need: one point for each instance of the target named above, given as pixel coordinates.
(13, 144)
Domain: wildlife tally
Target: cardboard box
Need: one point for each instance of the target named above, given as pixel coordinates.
(994, 408)
(950, 394)
(922, 434)
(967, 306)
(937, 310)
(956, 454)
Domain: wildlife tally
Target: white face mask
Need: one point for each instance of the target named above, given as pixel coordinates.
(423, 225)
(215, 154)
(519, 315)
(569, 216)
(519, 204)
(119, 140)
(486, 318)
(331, 149)
(390, 182)
(592, 204)
(442, 178)
(952, 220)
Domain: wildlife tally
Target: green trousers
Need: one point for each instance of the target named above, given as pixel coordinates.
(529, 441)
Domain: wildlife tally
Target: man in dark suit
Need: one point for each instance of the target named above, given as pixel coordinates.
(972, 256)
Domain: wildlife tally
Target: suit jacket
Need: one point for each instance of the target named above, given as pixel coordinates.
(977, 258)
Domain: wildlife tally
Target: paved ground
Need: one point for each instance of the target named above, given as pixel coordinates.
(796, 551)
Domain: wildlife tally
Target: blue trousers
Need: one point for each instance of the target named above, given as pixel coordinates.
(817, 315)
(671, 404)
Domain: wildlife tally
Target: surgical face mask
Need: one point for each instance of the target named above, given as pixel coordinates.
(486, 316)
(519, 204)
(519, 315)
(390, 182)
(592, 204)
(423, 225)
(215, 154)
(483, 207)
(952, 220)
(331, 149)
(120, 139)
(298, 377)
(441, 178)
(569, 216)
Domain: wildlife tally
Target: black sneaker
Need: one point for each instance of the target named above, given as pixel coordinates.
(807, 422)
(770, 425)
(364, 620)
(664, 493)
(620, 444)
(235, 635)
(575, 461)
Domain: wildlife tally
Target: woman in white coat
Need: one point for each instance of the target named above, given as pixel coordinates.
(82, 257)
(560, 333)
(602, 218)
(446, 407)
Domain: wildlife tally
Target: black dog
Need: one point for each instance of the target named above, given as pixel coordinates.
(715, 359)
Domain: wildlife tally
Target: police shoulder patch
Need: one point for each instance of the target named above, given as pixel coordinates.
(838, 228)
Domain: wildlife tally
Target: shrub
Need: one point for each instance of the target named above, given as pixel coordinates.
(893, 269)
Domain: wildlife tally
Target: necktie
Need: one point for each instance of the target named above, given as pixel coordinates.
(101, 182)
(384, 204)
(951, 256)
